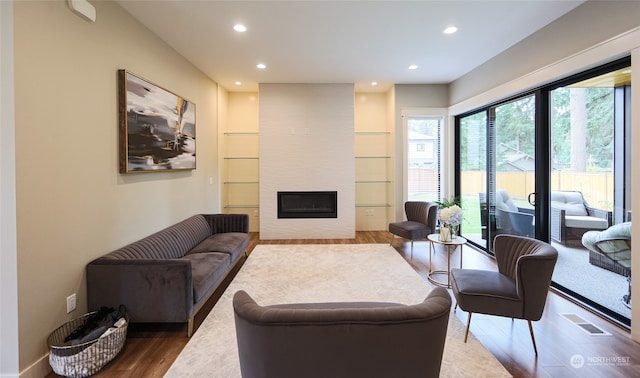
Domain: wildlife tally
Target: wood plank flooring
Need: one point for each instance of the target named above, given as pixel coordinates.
(563, 347)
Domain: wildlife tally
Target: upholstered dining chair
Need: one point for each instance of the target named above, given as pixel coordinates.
(342, 339)
(517, 290)
(421, 221)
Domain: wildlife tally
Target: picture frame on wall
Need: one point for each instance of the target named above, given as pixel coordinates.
(157, 128)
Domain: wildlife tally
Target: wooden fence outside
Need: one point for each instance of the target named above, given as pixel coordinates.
(596, 187)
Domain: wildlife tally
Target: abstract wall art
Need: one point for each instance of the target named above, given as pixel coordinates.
(157, 128)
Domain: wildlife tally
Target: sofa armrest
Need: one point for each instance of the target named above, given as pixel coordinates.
(557, 224)
(525, 210)
(221, 223)
(153, 290)
(600, 213)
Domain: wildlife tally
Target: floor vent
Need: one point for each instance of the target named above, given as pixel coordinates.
(586, 326)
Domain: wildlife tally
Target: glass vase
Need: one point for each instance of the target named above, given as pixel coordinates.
(454, 230)
(445, 234)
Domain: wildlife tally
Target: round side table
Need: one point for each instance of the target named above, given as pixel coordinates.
(451, 246)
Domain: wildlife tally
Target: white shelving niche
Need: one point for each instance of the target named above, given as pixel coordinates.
(240, 168)
(373, 181)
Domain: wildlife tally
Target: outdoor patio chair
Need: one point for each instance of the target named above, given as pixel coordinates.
(508, 219)
(512, 219)
(571, 217)
(611, 249)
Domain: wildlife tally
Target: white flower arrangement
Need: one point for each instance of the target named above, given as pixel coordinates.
(450, 215)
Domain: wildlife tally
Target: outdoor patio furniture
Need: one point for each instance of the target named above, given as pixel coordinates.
(571, 217)
(508, 217)
(611, 249)
(512, 219)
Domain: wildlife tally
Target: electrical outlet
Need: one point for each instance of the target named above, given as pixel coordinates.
(71, 303)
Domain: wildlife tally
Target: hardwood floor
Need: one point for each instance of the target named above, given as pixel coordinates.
(151, 349)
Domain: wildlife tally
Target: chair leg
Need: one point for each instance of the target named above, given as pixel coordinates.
(626, 299)
(466, 334)
(411, 248)
(535, 348)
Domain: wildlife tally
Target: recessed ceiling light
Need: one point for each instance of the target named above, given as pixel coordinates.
(239, 28)
(450, 30)
(374, 83)
(413, 67)
(238, 83)
(261, 66)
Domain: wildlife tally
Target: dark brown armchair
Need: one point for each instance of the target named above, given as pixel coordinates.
(517, 290)
(348, 339)
(421, 221)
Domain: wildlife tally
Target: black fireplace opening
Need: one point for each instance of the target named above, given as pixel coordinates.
(308, 204)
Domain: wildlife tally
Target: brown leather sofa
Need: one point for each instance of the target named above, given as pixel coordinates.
(167, 277)
(347, 339)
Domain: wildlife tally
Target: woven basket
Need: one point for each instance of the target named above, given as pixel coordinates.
(84, 359)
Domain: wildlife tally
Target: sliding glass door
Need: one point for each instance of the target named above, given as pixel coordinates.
(554, 164)
(589, 186)
(473, 178)
(497, 171)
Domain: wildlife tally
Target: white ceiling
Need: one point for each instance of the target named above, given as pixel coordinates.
(342, 41)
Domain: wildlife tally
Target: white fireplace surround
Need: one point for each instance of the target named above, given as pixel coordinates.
(307, 144)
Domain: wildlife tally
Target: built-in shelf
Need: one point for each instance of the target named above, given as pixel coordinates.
(373, 205)
(374, 174)
(241, 206)
(239, 133)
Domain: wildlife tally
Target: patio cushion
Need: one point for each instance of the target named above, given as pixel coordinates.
(571, 202)
(616, 249)
(504, 201)
(585, 221)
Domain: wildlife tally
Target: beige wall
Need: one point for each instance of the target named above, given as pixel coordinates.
(72, 204)
(8, 256)
(580, 29)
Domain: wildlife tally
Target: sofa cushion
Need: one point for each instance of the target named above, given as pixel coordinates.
(585, 221)
(232, 243)
(207, 270)
(571, 202)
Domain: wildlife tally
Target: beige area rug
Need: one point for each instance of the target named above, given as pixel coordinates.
(322, 273)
